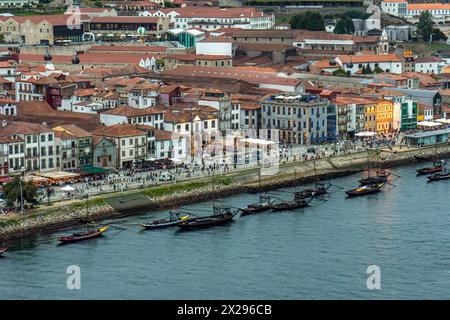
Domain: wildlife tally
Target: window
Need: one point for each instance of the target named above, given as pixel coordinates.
(43, 138)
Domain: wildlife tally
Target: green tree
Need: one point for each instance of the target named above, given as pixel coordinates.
(344, 26)
(368, 69)
(98, 4)
(425, 25)
(308, 20)
(12, 192)
(378, 70)
(438, 35)
(168, 4)
(340, 73)
(355, 14)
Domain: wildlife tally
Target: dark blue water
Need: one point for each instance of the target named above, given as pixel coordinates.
(321, 252)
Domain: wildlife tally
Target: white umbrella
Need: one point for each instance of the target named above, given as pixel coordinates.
(68, 188)
(365, 134)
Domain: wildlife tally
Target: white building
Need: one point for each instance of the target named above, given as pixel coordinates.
(213, 18)
(401, 8)
(429, 65)
(396, 8)
(170, 145)
(131, 142)
(125, 114)
(221, 46)
(389, 63)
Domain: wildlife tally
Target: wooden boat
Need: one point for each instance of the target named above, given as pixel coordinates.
(290, 205)
(206, 222)
(318, 190)
(381, 177)
(430, 170)
(439, 176)
(3, 250)
(438, 166)
(265, 204)
(364, 190)
(90, 234)
(171, 221)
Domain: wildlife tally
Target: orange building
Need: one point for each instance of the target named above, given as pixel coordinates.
(384, 116)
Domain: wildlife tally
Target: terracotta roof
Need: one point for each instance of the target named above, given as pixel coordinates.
(124, 19)
(212, 12)
(345, 100)
(117, 130)
(428, 6)
(370, 58)
(167, 89)
(250, 106)
(131, 48)
(75, 131)
(194, 57)
(164, 135)
(429, 59)
(252, 76)
(91, 58)
(85, 92)
(128, 111)
(19, 127)
(220, 39)
(267, 47)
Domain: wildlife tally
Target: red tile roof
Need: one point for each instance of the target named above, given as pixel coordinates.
(194, 57)
(128, 111)
(253, 76)
(125, 19)
(131, 48)
(118, 130)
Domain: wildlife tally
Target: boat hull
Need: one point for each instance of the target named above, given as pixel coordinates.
(71, 239)
(255, 209)
(205, 222)
(289, 206)
(431, 170)
(3, 250)
(438, 177)
(160, 225)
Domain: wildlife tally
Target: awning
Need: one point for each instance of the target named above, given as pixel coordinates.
(93, 170)
(365, 134)
(428, 124)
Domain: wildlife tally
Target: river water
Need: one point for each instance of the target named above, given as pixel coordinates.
(320, 252)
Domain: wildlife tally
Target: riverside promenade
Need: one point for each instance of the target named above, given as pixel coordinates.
(172, 194)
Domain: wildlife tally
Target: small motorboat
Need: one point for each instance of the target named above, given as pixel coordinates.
(3, 250)
(290, 205)
(437, 167)
(90, 234)
(439, 176)
(171, 221)
(318, 190)
(365, 189)
(206, 222)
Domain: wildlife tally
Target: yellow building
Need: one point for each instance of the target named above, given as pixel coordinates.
(384, 116)
(370, 116)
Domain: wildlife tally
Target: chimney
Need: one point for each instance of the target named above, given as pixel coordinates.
(4, 123)
(44, 124)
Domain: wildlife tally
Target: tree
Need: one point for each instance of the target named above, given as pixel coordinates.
(438, 35)
(308, 20)
(425, 25)
(344, 26)
(355, 14)
(340, 73)
(12, 192)
(368, 69)
(98, 4)
(378, 70)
